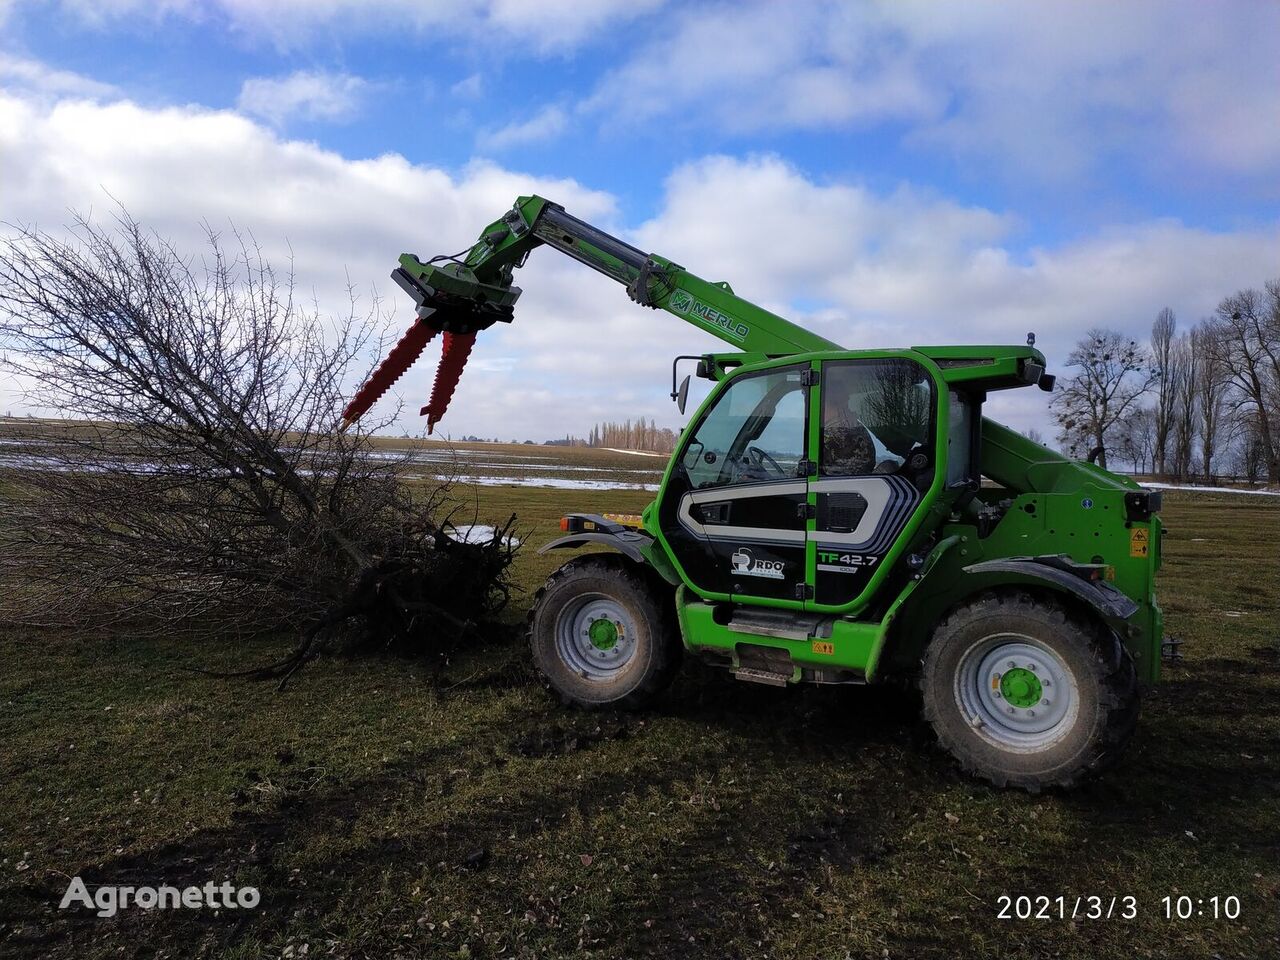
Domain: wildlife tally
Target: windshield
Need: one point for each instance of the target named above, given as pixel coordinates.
(755, 432)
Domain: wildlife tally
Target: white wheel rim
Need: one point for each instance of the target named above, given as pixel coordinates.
(1016, 692)
(573, 631)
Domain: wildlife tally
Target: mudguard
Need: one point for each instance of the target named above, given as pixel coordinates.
(1071, 577)
(598, 529)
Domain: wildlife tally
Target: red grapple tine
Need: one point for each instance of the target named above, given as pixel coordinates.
(457, 347)
(389, 371)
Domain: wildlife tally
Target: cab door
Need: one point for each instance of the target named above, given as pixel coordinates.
(876, 461)
(734, 511)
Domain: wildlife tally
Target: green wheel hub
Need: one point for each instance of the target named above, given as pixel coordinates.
(1021, 687)
(603, 634)
(596, 637)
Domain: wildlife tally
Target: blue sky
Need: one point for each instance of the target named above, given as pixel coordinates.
(894, 173)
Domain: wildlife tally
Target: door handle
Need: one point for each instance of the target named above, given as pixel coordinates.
(715, 513)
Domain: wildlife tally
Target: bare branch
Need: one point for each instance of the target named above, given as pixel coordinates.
(200, 485)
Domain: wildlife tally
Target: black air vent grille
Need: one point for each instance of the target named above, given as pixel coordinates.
(840, 512)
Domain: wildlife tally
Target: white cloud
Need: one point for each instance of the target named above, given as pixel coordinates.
(557, 24)
(101, 12)
(311, 95)
(32, 76)
(864, 268)
(469, 87)
(547, 124)
(873, 270)
(760, 66)
(547, 25)
(1165, 84)
(332, 218)
(1047, 90)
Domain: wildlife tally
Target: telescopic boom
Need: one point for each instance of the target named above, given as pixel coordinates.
(463, 294)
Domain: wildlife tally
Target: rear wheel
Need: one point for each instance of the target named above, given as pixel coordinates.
(1023, 692)
(602, 633)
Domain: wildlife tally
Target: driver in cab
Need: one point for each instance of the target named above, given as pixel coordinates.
(849, 449)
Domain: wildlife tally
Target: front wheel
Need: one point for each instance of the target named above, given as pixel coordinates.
(1023, 692)
(603, 634)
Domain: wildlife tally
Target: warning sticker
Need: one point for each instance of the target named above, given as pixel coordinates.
(824, 646)
(1139, 542)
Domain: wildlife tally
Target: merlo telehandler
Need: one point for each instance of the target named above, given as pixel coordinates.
(834, 516)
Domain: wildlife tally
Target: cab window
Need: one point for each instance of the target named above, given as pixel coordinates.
(755, 432)
(960, 440)
(877, 418)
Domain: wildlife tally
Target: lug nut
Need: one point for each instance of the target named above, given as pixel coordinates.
(1044, 702)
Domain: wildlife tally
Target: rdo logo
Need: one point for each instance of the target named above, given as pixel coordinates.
(749, 566)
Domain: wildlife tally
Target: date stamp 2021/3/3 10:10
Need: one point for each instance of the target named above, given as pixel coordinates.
(1098, 907)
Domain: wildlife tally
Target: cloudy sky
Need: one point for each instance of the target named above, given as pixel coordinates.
(889, 173)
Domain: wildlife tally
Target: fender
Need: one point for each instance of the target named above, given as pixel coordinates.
(1080, 579)
(592, 528)
(917, 613)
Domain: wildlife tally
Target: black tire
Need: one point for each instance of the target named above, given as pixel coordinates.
(1100, 679)
(654, 648)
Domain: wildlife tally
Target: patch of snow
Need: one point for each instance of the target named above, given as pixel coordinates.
(547, 464)
(480, 533)
(638, 453)
(559, 483)
(1194, 489)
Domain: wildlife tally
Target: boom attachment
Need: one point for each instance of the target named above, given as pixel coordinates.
(460, 296)
(458, 317)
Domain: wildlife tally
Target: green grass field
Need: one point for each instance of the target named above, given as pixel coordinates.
(380, 816)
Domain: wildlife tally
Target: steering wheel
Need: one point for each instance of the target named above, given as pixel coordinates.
(762, 461)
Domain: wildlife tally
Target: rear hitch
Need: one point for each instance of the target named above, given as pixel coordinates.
(1169, 649)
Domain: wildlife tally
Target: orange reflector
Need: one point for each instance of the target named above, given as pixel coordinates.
(564, 524)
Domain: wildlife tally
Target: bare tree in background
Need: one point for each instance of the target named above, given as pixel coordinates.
(1135, 440)
(1184, 381)
(1114, 374)
(1214, 427)
(1246, 342)
(204, 488)
(1162, 353)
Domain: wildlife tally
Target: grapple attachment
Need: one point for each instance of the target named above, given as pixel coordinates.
(400, 359)
(457, 305)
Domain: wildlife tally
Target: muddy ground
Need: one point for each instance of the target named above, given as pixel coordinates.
(380, 816)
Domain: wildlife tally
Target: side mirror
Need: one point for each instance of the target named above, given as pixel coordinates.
(682, 396)
(681, 393)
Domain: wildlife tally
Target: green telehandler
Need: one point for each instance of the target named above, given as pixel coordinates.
(824, 519)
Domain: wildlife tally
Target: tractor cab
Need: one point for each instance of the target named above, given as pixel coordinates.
(799, 481)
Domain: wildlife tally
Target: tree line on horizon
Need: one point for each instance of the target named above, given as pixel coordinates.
(1196, 404)
(638, 434)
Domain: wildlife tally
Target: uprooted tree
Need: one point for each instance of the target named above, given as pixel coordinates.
(200, 484)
